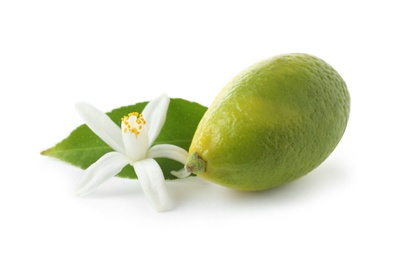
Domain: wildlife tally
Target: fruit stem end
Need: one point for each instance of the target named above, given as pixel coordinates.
(195, 164)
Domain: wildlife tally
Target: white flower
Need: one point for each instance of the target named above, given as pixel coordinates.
(133, 145)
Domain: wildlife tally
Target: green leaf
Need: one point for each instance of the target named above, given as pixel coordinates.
(82, 147)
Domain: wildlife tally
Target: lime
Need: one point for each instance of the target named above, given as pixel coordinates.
(271, 124)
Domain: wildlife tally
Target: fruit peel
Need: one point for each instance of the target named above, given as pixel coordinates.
(273, 123)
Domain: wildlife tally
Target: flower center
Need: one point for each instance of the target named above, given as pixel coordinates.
(133, 123)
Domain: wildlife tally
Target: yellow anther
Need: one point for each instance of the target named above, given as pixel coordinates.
(136, 120)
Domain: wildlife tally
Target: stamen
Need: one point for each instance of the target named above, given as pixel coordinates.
(133, 123)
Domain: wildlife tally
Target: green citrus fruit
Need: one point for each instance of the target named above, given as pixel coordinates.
(271, 124)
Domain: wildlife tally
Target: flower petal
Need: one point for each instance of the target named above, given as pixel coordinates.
(153, 184)
(155, 115)
(171, 152)
(103, 169)
(101, 125)
(168, 151)
(183, 173)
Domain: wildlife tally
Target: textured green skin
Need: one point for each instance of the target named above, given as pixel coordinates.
(273, 123)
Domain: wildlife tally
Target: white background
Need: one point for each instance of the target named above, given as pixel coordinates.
(115, 53)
